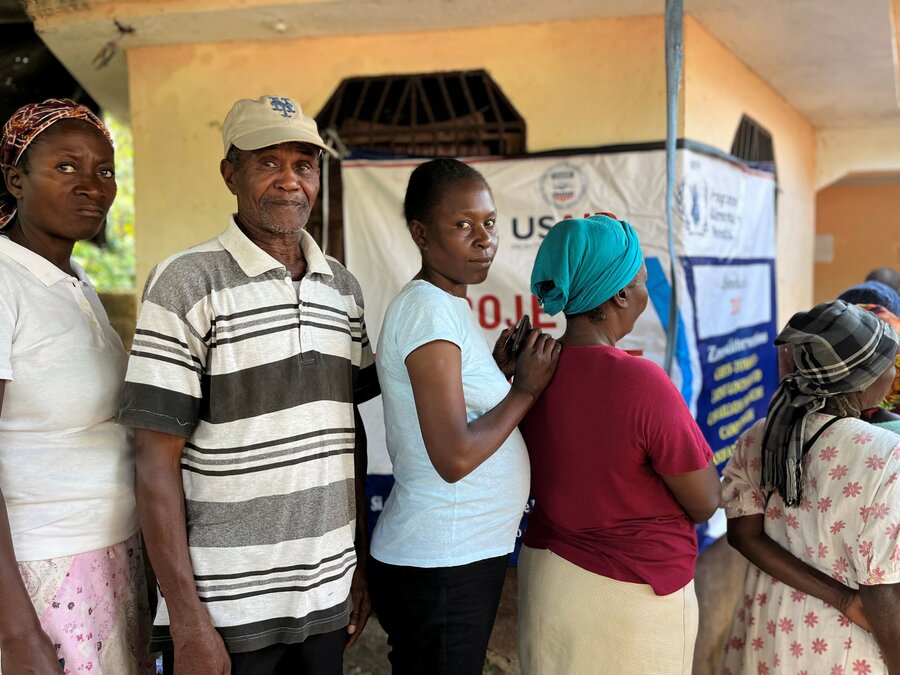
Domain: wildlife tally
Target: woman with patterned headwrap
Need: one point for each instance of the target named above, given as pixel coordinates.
(71, 573)
(821, 484)
(620, 472)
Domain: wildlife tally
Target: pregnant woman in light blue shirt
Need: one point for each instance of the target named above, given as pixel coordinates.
(461, 468)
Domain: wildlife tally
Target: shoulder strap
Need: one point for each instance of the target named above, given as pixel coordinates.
(807, 446)
(821, 430)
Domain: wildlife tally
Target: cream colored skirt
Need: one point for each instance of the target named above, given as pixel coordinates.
(575, 622)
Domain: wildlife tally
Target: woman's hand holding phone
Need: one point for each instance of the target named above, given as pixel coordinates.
(536, 363)
(509, 344)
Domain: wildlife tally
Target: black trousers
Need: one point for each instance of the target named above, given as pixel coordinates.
(438, 620)
(316, 655)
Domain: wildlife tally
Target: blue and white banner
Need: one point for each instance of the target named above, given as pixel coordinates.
(725, 287)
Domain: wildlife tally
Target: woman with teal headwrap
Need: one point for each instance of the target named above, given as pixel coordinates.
(620, 472)
(584, 262)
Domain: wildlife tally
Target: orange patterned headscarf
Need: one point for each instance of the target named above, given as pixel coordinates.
(26, 124)
(893, 398)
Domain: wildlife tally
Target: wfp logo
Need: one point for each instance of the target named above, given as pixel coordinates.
(692, 203)
(563, 185)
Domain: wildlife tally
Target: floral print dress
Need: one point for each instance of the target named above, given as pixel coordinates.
(93, 607)
(848, 526)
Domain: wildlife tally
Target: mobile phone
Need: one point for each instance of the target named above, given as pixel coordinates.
(517, 338)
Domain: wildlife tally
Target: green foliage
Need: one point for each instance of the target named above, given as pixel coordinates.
(112, 268)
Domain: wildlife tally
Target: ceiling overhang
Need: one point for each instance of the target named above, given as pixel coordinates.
(835, 62)
(91, 36)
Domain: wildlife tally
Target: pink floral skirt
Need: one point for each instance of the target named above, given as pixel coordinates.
(94, 608)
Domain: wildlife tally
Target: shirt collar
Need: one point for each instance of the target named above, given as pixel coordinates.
(40, 267)
(254, 261)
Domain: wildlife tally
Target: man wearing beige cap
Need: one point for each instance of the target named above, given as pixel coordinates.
(249, 359)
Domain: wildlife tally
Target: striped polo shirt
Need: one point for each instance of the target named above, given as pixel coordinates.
(261, 379)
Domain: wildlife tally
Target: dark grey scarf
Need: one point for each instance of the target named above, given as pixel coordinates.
(838, 349)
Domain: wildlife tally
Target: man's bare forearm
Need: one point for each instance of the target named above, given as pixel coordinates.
(160, 498)
(361, 468)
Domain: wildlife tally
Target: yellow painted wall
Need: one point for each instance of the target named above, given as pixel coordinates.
(844, 151)
(863, 221)
(719, 89)
(581, 83)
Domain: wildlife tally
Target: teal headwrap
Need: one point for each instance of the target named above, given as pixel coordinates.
(583, 262)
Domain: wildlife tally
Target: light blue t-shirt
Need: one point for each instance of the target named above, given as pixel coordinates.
(426, 521)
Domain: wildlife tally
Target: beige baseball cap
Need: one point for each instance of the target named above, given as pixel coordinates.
(269, 120)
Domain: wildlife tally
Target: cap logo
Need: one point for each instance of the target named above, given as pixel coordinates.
(283, 105)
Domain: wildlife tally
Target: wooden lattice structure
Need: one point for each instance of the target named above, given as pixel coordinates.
(436, 114)
(456, 114)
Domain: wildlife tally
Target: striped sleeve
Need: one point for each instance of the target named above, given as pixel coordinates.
(163, 384)
(365, 378)
(365, 385)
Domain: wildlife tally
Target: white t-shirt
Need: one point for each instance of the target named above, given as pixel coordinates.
(426, 521)
(66, 468)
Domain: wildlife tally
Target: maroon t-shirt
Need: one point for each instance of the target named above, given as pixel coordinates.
(601, 437)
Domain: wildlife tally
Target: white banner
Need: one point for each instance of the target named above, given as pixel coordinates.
(724, 240)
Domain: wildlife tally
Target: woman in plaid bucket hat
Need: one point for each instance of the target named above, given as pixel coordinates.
(815, 483)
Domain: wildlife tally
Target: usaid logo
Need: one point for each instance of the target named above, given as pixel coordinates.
(563, 185)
